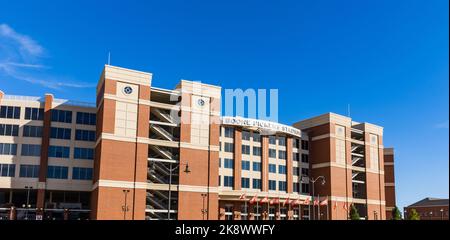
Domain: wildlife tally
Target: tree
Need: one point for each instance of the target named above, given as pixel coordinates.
(354, 215)
(413, 215)
(396, 215)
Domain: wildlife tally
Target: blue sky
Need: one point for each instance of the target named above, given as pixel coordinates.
(388, 59)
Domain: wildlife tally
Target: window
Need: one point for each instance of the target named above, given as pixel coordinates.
(246, 135)
(305, 187)
(256, 137)
(281, 154)
(305, 171)
(57, 172)
(83, 153)
(229, 132)
(8, 149)
(272, 153)
(60, 133)
(228, 181)
(220, 180)
(228, 163)
(34, 113)
(229, 147)
(295, 187)
(295, 171)
(31, 150)
(256, 151)
(245, 165)
(10, 112)
(86, 118)
(220, 162)
(7, 170)
(295, 143)
(61, 116)
(282, 186)
(245, 182)
(272, 168)
(257, 166)
(305, 158)
(59, 152)
(85, 135)
(281, 169)
(305, 145)
(294, 156)
(228, 212)
(29, 171)
(272, 185)
(272, 140)
(9, 130)
(246, 149)
(256, 183)
(79, 173)
(282, 141)
(32, 131)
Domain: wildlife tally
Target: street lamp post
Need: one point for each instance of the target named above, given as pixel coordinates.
(375, 215)
(442, 213)
(28, 201)
(186, 170)
(313, 181)
(125, 207)
(431, 215)
(204, 211)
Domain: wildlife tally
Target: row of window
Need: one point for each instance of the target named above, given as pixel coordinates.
(273, 168)
(64, 116)
(55, 132)
(9, 130)
(10, 112)
(65, 133)
(53, 151)
(54, 172)
(229, 147)
(228, 181)
(229, 163)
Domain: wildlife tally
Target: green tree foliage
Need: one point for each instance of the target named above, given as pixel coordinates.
(354, 215)
(396, 215)
(413, 215)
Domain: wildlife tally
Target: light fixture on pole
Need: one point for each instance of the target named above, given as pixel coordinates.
(28, 201)
(171, 170)
(125, 208)
(313, 181)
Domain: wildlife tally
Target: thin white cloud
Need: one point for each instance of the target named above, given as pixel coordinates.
(26, 43)
(442, 125)
(21, 59)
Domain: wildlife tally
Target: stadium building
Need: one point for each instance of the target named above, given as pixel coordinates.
(143, 152)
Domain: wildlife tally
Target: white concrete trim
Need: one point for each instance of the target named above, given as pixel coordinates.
(199, 147)
(389, 184)
(119, 184)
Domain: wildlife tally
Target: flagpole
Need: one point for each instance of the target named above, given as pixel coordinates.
(328, 210)
(309, 210)
(257, 209)
(318, 206)
(246, 209)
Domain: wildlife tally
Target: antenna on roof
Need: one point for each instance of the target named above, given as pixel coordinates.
(348, 110)
(109, 58)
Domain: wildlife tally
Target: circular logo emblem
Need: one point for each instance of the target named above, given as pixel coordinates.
(201, 102)
(127, 90)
